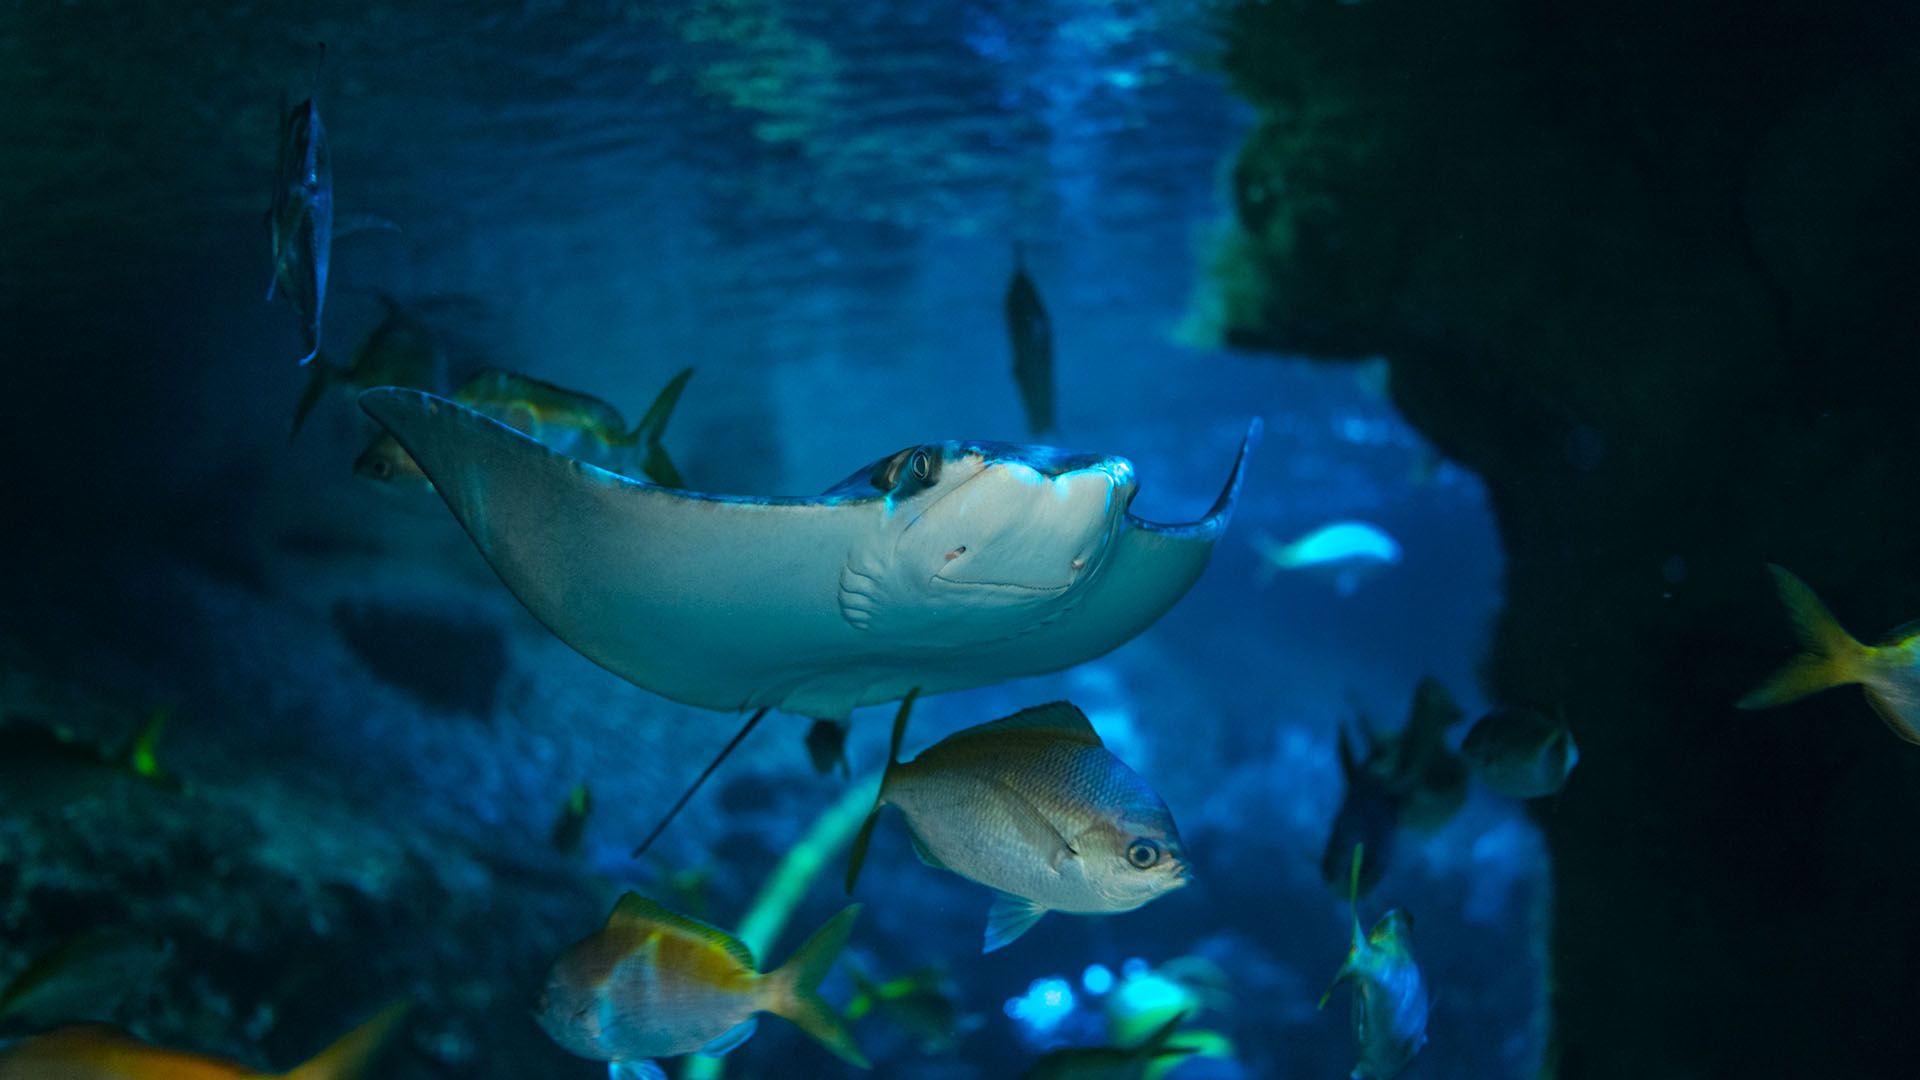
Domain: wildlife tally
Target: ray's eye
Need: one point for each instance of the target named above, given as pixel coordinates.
(1143, 853)
(922, 466)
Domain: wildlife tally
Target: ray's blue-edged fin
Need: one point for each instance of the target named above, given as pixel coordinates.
(1010, 917)
(1210, 527)
(858, 857)
(644, 1069)
(735, 1035)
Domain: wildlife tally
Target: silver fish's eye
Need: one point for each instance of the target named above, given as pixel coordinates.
(922, 466)
(1143, 853)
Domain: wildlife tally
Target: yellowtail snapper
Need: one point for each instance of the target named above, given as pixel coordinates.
(568, 421)
(1389, 994)
(570, 828)
(1520, 752)
(92, 1052)
(300, 218)
(1034, 806)
(653, 983)
(1031, 334)
(1889, 671)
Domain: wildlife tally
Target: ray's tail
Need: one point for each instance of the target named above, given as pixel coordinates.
(860, 842)
(1832, 658)
(793, 989)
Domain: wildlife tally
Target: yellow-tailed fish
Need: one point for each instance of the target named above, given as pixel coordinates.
(1521, 752)
(1035, 807)
(1889, 671)
(1031, 334)
(1389, 993)
(567, 421)
(653, 983)
(1113, 1062)
(401, 351)
(93, 1052)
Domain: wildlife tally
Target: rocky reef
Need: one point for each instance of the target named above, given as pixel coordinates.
(1646, 268)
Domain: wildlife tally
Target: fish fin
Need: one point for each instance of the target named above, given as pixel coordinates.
(319, 378)
(1155, 1044)
(1832, 657)
(1890, 715)
(735, 1035)
(653, 426)
(644, 1069)
(1906, 631)
(865, 837)
(793, 989)
(1353, 890)
(1060, 718)
(351, 1057)
(634, 908)
(1346, 972)
(1008, 918)
(141, 757)
(925, 853)
(659, 468)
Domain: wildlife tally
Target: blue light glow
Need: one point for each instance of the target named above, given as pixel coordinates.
(1046, 1003)
(1097, 979)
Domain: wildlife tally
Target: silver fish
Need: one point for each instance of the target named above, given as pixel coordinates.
(300, 218)
(1522, 753)
(1035, 806)
(1389, 993)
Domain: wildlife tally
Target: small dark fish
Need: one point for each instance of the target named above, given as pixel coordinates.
(84, 978)
(1521, 753)
(924, 1004)
(1389, 994)
(1035, 807)
(44, 767)
(570, 828)
(653, 983)
(300, 218)
(92, 1052)
(1111, 1062)
(1031, 334)
(1428, 779)
(1889, 672)
(401, 351)
(1370, 815)
(827, 747)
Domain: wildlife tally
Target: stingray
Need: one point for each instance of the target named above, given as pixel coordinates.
(944, 566)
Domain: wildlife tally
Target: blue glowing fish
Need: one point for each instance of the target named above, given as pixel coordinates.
(1349, 552)
(1389, 994)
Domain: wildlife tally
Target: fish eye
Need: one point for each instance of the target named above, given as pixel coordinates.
(1143, 853)
(922, 465)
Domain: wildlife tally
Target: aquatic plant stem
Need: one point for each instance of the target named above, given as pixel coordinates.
(783, 890)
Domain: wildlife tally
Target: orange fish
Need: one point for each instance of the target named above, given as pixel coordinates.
(653, 983)
(94, 1052)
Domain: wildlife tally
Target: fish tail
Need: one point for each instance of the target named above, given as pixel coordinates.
(1832, 657)
(357, 1050)
(320, 376)
(859, 854)
(794, 988)
(653, 426)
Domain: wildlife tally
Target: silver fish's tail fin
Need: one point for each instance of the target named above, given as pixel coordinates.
(320, 376)
(652, 427)
(793, 989)
(352, 1057)
(860, 842)
(1832, 657)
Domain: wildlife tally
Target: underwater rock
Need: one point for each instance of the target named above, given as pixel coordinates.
(1657, 294)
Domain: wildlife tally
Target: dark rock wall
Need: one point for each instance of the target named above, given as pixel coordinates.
(1652, 270)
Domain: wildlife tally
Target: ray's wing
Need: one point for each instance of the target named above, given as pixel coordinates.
(1153, 565)
(708, 600)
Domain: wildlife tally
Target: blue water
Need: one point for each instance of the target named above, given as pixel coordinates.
(814, 206)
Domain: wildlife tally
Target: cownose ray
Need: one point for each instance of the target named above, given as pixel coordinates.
(944, 566)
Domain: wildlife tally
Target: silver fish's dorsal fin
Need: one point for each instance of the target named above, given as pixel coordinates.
(1010, 917)
(634, 908)
(1061, 719)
